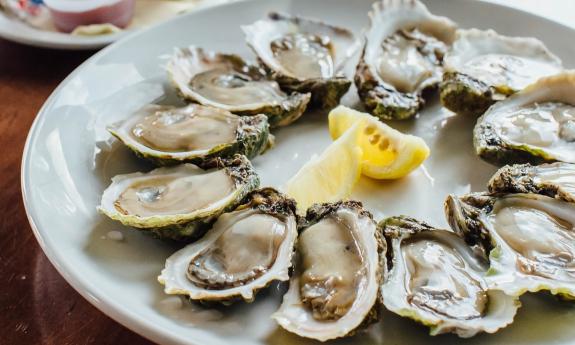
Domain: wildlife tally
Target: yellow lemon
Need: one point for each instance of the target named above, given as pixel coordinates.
(330, 176)
(387, 153)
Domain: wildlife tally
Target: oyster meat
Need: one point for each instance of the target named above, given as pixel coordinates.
(484, 67)
(169, 135)
(303, 55)
(334, 288)
(556, 180)
(535, 125)
(436, 279)
(402, 57)
(530, 239)
(244, 251)
(227, 82)
(179, 202)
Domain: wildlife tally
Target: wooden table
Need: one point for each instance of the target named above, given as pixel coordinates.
(36, 305)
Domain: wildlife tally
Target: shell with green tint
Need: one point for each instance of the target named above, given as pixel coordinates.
(334, 288)
(402, 58)
(529, 239)
(228, 82)
(168, 135)
(535, 125)
(484, 67)
(179, 202)
(435, 278)
(303, 55)
(245, 250)
(556, 180)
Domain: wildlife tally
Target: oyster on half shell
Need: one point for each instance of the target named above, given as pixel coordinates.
(227, 82)
(303, 55)
(484, 67)
(529, 238)
(556, 180)
(436, 279)
(334, 288)
(244, 251)
(402, 57)
(179, 202)
(535, 125)
(169, 135)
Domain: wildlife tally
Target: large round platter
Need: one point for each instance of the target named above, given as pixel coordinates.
(68, 161)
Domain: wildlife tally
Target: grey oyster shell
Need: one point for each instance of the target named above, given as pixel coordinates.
(555, 180)
(427, 267)
(529, 239)
(484, 67)
(228, 82)
(334, 44)
(249, 135)
(306, 310)
(200, 270)
(187, 225)
(399, 28)
(535, 125)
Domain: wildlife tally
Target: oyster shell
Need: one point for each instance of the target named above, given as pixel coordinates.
(334, 288)
(556, 180)
(484, 67)
(179, 202)
(535, 125)
(436, 279)
(226, 81)
(169, 135)
(402, 57)
(303, 55)
(530, 239)
(244, 251)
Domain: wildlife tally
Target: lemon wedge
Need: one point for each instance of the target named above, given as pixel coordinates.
(387, 153)
(330, 176)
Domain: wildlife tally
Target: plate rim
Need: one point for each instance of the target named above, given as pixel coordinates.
(118, 313)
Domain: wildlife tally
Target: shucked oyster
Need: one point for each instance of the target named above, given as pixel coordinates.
(334, 288)
(303, 55)
(194, 133)
(228, 82)
(530, 239)
(402, 57)
(484, 67)
(435, 278)
(243, 252)
(179, 202)
(556, 180)
(535, 125)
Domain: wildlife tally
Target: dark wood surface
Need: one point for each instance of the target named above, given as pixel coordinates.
(37, 306)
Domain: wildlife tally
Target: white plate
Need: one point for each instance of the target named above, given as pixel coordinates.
(17, 31)
(65, 170)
